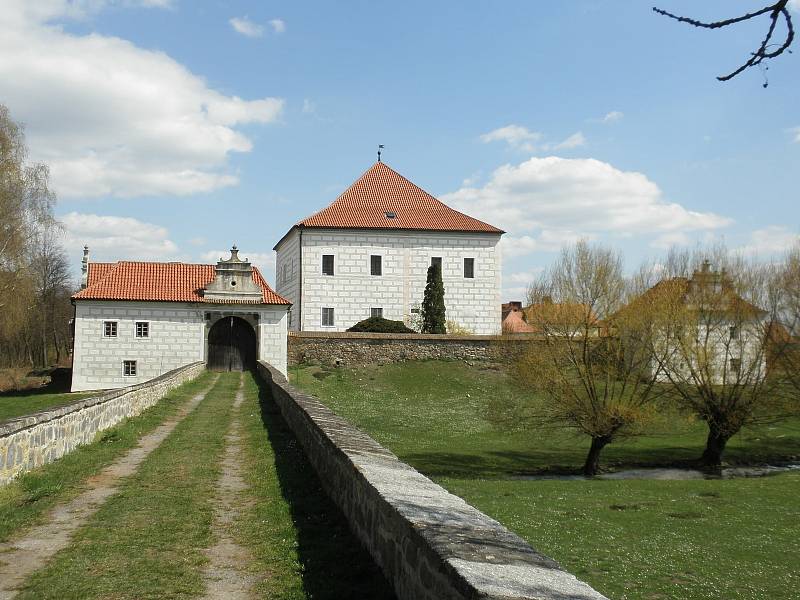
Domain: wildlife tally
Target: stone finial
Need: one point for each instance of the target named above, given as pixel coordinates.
(85, 268)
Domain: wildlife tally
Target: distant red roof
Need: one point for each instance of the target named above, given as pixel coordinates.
(383, 199)
(161, 282)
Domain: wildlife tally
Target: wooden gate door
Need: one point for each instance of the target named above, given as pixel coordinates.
(231, 345)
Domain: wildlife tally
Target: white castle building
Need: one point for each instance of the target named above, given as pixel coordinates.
(137, 320)
(367, 254)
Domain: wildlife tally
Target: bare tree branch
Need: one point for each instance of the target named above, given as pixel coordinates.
(776, 11)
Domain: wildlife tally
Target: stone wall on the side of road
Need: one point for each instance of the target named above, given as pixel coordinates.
(34, 440)
(430, 544)
(352, 349)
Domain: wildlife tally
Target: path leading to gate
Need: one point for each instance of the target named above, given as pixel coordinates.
(219, 502)
(226, 572)
(20, 557)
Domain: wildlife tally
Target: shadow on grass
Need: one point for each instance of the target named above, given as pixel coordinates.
(335, 565)
(565, 461)
(60, 383)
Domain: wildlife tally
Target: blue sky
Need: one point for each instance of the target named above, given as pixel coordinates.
(174, 128)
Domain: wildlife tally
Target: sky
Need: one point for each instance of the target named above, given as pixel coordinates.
(175, 128)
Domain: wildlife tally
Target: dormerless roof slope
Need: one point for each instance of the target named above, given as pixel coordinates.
(381, 192)
(160, 282)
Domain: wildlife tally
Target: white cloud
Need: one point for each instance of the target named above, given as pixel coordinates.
(246, 27)
(309, 107)
(670, 239)
(771, 240)
(795, 131)
(612, 117)
(278, 25)
(515, 136)
(565, 199)
(794, 5)
(525, 277)
(113, 119)
(117, 238)
(573, 141)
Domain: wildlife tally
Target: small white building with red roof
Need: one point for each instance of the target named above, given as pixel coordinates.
(137, 320)
(368, 252)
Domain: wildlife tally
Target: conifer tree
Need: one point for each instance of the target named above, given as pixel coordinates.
(433, 318)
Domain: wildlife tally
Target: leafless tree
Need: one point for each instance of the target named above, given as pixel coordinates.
(592, 368)
(778, 12)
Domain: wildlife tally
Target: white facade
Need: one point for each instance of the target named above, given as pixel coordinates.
(176, 336)
(352, 291)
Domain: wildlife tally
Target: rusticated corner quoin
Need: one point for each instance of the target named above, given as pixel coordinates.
(431, 544)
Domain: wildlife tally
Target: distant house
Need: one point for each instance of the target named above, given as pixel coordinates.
(514, 319)
(708, 333)
(368, 252)
(561, 318)
(137, 320)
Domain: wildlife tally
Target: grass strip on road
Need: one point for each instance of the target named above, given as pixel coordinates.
(24, 500)
(299, 539)
(147, 541)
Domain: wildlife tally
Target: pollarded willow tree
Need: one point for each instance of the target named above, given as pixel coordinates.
(780, 21)
(711, 343)
(591, 371)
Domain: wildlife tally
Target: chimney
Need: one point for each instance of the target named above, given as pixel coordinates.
(85, 268)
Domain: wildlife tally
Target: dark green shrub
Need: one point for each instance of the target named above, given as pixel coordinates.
(380, 325)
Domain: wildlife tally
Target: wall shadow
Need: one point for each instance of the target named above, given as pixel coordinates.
(335, 564)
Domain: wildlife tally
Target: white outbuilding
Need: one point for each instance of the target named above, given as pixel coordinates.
(367, 254)
(137, 320)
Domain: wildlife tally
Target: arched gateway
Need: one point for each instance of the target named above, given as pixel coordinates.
(231, 345)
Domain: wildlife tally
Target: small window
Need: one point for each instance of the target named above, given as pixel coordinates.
(327, 264)
(390, 214)
(327, 317)
(734, 332)
(469, 268)
(376, 264)
(129, 368)
(736, 366)
(142, 329)
(376, 312)
(415, 311)
(109, 329)
(436, 261)
(285, 273)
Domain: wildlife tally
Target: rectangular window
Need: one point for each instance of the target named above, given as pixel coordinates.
(327, 264)
(109, 329)
(376, 264)
(436, 261)
(736, 366)
(129, 368)
(285, 273)
(327, 317)
(376, 312)
(142, 329)
(469, 268)
(734, 332)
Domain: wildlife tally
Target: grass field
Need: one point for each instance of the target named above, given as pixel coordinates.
(18, 404)
(734, 539)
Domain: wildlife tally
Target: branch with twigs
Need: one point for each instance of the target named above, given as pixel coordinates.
(777, 12)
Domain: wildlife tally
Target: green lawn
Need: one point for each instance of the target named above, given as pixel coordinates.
(19, 404)
(732, 539)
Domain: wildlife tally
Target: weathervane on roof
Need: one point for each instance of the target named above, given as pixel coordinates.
(380, 147)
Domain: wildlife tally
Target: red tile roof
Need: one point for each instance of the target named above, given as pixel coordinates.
(381, 190)
(164, 282)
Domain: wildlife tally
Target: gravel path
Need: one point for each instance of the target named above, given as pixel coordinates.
(20, 557)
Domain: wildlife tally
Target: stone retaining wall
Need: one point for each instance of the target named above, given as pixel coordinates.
(335, 349)
(41, 438)
(430, 544)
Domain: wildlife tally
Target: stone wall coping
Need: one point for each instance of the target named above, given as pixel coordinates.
(12, 426)
(404, 337)
(466, 554)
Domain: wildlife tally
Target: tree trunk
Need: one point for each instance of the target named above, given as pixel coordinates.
(593, 458)
(715, 446)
